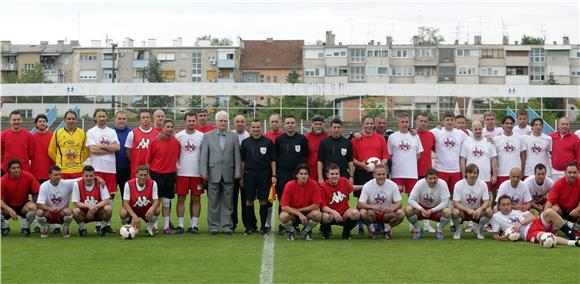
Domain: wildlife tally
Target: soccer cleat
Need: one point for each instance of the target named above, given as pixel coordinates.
(325, 231)
(26, 232)
(388, 234)
(479, 232)
(487, 227)
(248, 231)
(291, 236)
(346, 236)
(194, 230)
(439, 236)
(44, 233)
(109, 229)
(5, 231)
(149, 232)
(155, 230)
(55, 230)
(98, 230)
(429, 229)
(265, 231)
(452, 228)
(307, 236)
(66, 232)
(469, 227)
(371, 231)
(417, 234)
(577, 243)
(103, 232)
(178, 230)
(457, 235)
(82, 232)
(168, 231)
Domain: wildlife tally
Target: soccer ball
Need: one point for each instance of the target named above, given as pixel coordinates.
(512, 234)
(548, 240)
(127, 232)
(371, 163)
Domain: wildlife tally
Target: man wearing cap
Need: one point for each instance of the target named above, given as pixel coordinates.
(314, 137)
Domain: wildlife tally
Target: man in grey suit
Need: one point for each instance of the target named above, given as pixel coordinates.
(220, 166)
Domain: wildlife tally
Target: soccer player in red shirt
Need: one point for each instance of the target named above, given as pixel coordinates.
(39, 160)
(17, 185)
(140, 201)
(158, 118)
(92, 202)
(564, 196)
(314, 138)
(300, 203)
(335, 209)
(428, 141)
(138, 141)
(275, 132)
(565, 148)
(202, 125)
(16, 142)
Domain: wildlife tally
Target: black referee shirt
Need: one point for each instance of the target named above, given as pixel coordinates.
(338, 151)
(290, 151)
(257, 154)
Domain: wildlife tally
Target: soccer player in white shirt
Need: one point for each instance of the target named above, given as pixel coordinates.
(517, 190)
(141, 201)
(405, 150)
(460, 123)
(471, 200)
(530, 227)
(522, 128)
(188, 178)
(380, 203)
(539, 147)
(539, 185)
(511, 152)
(429, 199)
(490, 130)
(479, 151)
(92, 202)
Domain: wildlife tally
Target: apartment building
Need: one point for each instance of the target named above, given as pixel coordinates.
(270, 61)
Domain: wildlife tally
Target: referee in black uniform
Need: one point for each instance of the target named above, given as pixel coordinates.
(258, 164)
(338, 150)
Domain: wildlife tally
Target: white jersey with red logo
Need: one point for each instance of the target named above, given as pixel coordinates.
(537, 191)
(500, 222)
(470, 196)
(56, 196)
(102, 136)
(385, 195)
(422, 196)
(403, 148)
(538, 150)
(87, 194)
(479, 153)
(520, 194)
(508, 153)
(493, 133)
(188, 162)
(448, 149)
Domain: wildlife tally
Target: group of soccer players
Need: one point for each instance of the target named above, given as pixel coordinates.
(313, 175)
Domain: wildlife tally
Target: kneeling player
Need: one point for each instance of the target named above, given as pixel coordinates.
(380, 203)
(471, 201)
(300, 202)
(17, 185)
(530, 227)
(335, 210)
(429, 200)
(53, 202)
(92, 202)
(140, 201)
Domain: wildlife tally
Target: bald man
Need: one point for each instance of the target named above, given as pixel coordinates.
(517, 190)
(565, 148)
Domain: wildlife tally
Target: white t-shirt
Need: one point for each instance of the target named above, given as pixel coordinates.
(422, 196)
(470, 196)
(448, 149)
(404, 149)
(491, 134)
(127, 190)
(508, 153)
(522, 131)
(538, 191)
(242, 136)
(538, 150)
(56, 196)
(102, 136)
(131, 137)
(188, 162)
(479, 152)
(385, 195)
(76, 194)
(500, 222)
(520, 194)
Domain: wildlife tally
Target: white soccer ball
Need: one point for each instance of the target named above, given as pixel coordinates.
(372, 163)
(127, 232)
(512, 234)
(547, 240)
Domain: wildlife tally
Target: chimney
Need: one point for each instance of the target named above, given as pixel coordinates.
(74, 43)
(151, 42)
(372, 42)
(177, 42)
(389, 41)
(60, 43)
(505, 40)
(555, 42)
(330, 37)
(477, 40)
(108, 42)
(516, 42)
(566, 40)
(456, 42)
(378, 43)
(339, 43)
(128, 42)
(270, 40)
(95, 43)
(44, 42)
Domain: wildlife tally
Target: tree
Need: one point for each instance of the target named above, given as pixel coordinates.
(153, 75)
(293, 77)
(530, 40)
(32, 76)
(217, 41)
(153, 71)
(428, 36)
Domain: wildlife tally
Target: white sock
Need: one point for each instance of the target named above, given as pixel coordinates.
(571, 243)
(194, 221)
(443, 222)
(57, 226)
(387, 228)
(97, 223)
(67, 220)
(310, 226)
(269, 218)
(180, 222)
(165, 222)
(288, 226)
(23, 222)
(426, 223)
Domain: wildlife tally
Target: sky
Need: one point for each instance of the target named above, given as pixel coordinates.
(356, 22)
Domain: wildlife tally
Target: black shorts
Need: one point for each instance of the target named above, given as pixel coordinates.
(123, 175)
(566, 216)
(165, 184)
(281, 180)
(257, 183)
(360, 178)
(17, 209)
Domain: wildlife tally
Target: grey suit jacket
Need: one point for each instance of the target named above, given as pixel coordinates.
(217, 163)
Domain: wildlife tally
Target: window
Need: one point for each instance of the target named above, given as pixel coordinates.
(28, 67)
(312, 72)
(517, 70)
(357, 54)
(491, 71)
(378, 53)
(182, 73)
(424, 52)
(378, 70)
(537, 55)
(168, 75)
(166, 57)
(516, 53)
(196, 67)
(492, 53)
(537, 73)
(357, 73)
(466, 70)
(383, 70)
(313, 54)
(332, 71)
(230, 56)
(84, 57)
(251, 77)
(275, 79)
(335, 53)
(108, 76)
(464, 52)
(88, 75)
(575, 53)
(401, 53)
(402, 71)
(575, 71)
(140, 55)
(425, 71)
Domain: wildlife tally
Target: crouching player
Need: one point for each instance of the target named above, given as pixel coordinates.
(92, 202)
(429, 200)
(300, 202)
(529, 227)
(471, 201)
(140, 201)
(17, 185)
(335, 210)
(380, 203)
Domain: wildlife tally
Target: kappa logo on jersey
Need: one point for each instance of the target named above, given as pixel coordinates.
(337, 197)
(477, 152)
(142, 201)
(514, 219)
(104, 140)
(378, 198)
(189, 147)
(449, 142)
(470, 199)
(404, 145)
(509, 147)
(143, 144)
(56, 199)
(428, 199)
(90, 200)
(536, 147)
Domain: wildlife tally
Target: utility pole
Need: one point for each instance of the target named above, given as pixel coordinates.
(113, 46)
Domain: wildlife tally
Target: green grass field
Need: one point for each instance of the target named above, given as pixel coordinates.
(238, 258)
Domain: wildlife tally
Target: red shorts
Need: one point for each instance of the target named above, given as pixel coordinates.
(110, 181)
(140, 211)
(467, 217)
(435, 216)
(70, 175)
(536, 228)
(95, 218)
(379, 217)
(542, 201)
(405, 184)
(499, 181)
(451, 179)
(488, 186)
(55, 218)
(184, 184)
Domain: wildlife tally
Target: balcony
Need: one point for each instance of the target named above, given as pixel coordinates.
(10, 67)
(140, 64)
(517, 80)
(108, 64)
(140, 80)
(226, 63)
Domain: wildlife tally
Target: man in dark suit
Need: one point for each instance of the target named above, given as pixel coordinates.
(220, 166)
